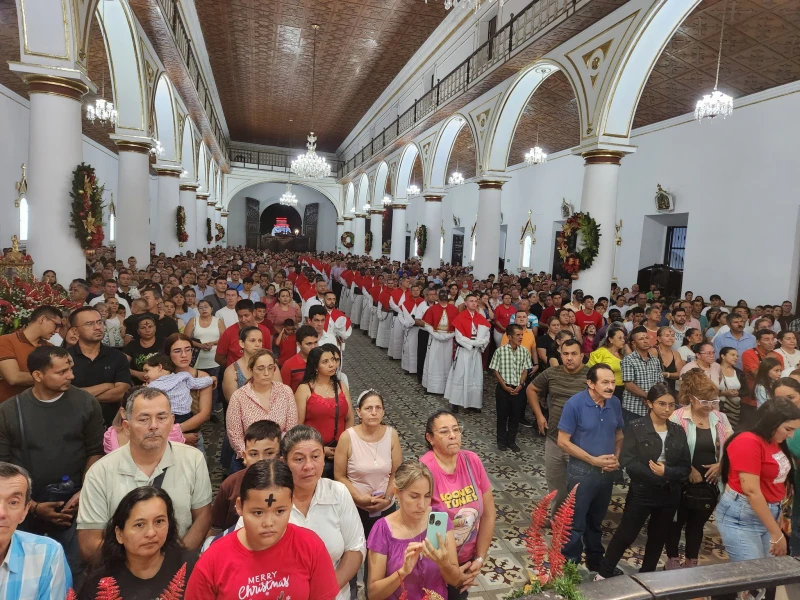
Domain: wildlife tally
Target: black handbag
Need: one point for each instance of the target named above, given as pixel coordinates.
(700, 496)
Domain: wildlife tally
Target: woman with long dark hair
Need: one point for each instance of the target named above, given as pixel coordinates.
(769, 371)
(141, 550)
(756, 468)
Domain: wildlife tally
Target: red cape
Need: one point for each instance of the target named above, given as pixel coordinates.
(464, 322)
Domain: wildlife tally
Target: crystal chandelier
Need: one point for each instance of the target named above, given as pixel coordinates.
(412, 190)
(456, 178)
(367, 207)
(353, 209)
(288, 198)
(102, 110)
(715, 104)
(536, 156)
(387, 200)
(157, 150)
(310, 165)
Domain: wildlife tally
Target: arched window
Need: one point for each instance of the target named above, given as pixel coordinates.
(23, 220)
(527, 246)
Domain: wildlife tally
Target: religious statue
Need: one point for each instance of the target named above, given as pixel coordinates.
(566, 209)
(665, 202)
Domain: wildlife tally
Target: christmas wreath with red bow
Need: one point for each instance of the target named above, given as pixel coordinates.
(574, 259)
(180, 224)
(87, 208)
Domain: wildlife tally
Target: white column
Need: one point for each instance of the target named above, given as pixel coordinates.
(398, 252)
(55, 148)
(361, 222)
(200, 214)
(133, 202)
(339, 234)
(223, 220)
(376, 227)
(168, 200)
(487, 232)
(433, 223)
(188, 200)
(599, 199)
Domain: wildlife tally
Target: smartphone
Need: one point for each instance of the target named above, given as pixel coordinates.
(437, 523)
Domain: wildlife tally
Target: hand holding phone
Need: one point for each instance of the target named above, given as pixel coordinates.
(437, 523)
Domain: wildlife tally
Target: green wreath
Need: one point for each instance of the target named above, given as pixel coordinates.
(180, 226)
(422, 239)
(348, 239)
(367, 242)
(209, 237)
(87, 208)
(576, 260)
(220, 232)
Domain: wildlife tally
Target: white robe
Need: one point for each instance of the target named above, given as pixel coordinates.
(345, 299)
(396, 333)
(384, 327)
(438, 361)
(410, 336)
(355, 306)
(465, 379)
(373, 320)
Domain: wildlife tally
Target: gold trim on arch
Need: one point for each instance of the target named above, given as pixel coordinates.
(29, 52)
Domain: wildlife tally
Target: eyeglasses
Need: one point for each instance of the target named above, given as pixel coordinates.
(262, 368)
(670, 405)
(706, 402)
(457, 430)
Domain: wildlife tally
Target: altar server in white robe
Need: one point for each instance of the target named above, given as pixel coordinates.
(396, 300)
(465, 380)
(409, 318)
(357, 300)
(385, 315)
(439, 325)
(375, 293)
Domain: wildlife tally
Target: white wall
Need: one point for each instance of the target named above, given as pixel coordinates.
(270, 193)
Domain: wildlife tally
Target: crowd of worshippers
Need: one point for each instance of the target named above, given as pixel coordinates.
(104, 478)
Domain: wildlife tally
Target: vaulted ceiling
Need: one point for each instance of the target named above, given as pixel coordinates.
(261, 55)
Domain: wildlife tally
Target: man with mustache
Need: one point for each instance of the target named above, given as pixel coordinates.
(590, 431)
(148, 459)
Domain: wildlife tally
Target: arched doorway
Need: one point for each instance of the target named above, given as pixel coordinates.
(273, 211)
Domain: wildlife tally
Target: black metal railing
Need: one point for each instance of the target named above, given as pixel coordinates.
(269, 160)
(517, 32)
(184, 45)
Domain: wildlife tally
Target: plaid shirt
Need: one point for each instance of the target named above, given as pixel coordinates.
(645, 374)
(511, 364)
(34, 568)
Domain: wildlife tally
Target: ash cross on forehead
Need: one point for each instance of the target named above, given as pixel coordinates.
(270, 500)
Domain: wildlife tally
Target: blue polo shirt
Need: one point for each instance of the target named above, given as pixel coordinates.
(591, 427)
(746, 342)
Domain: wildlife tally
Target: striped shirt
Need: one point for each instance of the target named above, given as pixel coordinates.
(34, 568)
(559, 385)
(177, 387)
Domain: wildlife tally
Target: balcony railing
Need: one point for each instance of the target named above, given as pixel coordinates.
(269, 161)
(498, 49)
(184, 45)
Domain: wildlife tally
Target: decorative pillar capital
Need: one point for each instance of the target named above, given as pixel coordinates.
(211, 203)
(73, 89)
(202, 196)
(399, 206)
(340, 222)
(189, 187)
(133, 146)
(361, 215)
(490, 184)
(603, 157)
(168, 171)
(348, 218)
(433, 197)
(218, 208)
(376, 211)
(225, 214)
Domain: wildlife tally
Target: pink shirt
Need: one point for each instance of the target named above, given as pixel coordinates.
(244, 409)
(370, 464)
(111, 443)
(456, 494)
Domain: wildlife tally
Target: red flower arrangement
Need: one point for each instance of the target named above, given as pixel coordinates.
(180, 224)
(576, 259)
(19, 298)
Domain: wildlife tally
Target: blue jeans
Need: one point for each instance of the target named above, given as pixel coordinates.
(743, 533)
(591, 504)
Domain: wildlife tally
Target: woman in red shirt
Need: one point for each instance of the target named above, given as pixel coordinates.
(268, 556)
(756, 465)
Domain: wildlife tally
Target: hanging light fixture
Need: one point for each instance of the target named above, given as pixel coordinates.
(102, 110)
(288, 198)
(157, 149)
(367, 207)
(353, 210)
(310, 165)
(456, 178)
(412, 190)
(715, 104)
(387, 200)
(536, 156)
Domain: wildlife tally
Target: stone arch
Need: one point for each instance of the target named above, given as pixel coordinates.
(636, 65)
(165, 120)
(202, 168)
(188, 159)
(230, 193)
(443, 147)
(407, 159)
(381, 175)
(362, 196)
(349, 198)
(118, 27)
(504, 123)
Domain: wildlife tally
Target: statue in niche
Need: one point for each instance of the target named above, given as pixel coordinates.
(665, 202)
(566, 209)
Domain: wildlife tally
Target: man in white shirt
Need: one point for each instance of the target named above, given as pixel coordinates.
(679, 326)
(228, 314)
(110, 291)
(317, 315)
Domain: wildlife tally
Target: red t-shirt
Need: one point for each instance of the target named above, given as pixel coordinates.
(502, 315)
(582, 319)
(293, 370)
(749, 453)
(298, 565)
(287, 349)
(228, 343)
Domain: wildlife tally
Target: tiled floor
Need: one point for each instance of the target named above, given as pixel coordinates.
(518, 479)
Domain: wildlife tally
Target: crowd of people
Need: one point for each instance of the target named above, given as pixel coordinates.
(104, 474)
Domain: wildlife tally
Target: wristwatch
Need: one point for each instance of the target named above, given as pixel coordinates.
(480, 558)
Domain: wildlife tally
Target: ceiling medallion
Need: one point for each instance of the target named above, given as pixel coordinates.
(288, 198)
(536, 156)
(310, 165)
(412, 190)
(715, 104)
